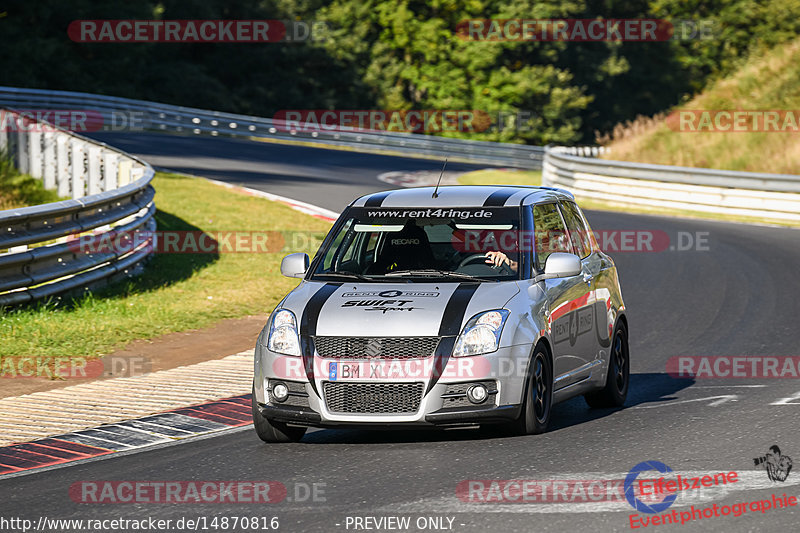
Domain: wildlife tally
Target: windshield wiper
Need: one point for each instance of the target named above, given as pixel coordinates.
(352, 275)
(430, 272)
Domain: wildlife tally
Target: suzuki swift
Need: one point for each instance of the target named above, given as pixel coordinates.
(462, 307)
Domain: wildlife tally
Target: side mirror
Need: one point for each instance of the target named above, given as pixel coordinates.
(295, 265)
(560, 265)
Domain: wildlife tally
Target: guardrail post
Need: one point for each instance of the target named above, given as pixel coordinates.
(546, 168)
(124, 174)
(22, 146)
(62, 165)
(110, 160)
(4, 119)
(35, 153)
(93, 158)
(78, 170)
(49, 181)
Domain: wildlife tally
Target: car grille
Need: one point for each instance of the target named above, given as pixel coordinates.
(375, 347)
(389, 398)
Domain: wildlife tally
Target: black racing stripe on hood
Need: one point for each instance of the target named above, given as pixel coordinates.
(377, 199)
(499, 198)
(450, 327)
(308, 327)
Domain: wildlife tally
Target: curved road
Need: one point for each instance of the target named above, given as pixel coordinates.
(737, 296)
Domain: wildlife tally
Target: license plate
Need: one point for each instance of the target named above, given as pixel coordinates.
(344, 371)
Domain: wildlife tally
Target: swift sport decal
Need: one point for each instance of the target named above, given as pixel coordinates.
(308, 327)
(382, 305)
(450, 327)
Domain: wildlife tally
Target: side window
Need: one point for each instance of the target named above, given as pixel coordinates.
(550, 234)
(337, 243)
(578, 233)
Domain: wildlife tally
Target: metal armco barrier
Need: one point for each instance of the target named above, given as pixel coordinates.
(772, 196)
(106, 186)
(124, 114)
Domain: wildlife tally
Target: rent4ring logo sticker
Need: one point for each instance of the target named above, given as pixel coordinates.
(390, 294)
(631, 493)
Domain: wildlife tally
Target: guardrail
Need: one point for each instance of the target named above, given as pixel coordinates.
(187, 120)
(772, 196)
(108, 187)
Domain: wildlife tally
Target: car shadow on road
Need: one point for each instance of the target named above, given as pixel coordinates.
(645, 388)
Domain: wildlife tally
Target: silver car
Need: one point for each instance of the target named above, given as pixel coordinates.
(459, 307)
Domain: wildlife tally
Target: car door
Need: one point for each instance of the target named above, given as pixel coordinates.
(599, 271)
(570, 311)
(591, 266)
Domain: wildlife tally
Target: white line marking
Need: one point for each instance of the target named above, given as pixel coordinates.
(728, 386)
(749, 480)
(718, 400)
(788, 401)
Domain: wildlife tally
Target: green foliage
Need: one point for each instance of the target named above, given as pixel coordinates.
(399, 54)
(20, 190)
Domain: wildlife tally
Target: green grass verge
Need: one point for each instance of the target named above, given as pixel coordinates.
(177, 291)
(493, 176)
(534, 178)
(21, 190)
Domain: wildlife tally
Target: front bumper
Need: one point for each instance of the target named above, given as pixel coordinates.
(504, 369)
(442, 418)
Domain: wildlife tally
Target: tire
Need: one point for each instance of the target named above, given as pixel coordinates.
(617, 384)
(269, 431)
(537, 403)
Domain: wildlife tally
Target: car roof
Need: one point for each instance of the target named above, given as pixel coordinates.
(463, 196)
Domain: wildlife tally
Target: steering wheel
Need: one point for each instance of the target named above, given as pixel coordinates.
(474, 258)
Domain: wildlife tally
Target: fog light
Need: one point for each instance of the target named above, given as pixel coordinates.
(477, 393)
(280, 392)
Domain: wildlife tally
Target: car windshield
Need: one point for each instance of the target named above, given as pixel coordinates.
(420, 244)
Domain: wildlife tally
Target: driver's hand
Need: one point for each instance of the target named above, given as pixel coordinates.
(496, 259)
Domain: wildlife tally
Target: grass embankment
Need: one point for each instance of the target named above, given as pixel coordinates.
(177, 291)
(20, 190)
(493, 176)
(768, 81)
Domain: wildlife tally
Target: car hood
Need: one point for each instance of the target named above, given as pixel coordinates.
(392, 309)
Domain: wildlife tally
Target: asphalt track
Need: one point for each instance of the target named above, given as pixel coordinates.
(738, 297)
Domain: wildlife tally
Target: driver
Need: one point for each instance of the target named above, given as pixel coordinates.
(498, 259)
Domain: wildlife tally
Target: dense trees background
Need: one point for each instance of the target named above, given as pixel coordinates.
(396, 54)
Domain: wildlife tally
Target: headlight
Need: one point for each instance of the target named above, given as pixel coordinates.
(283, 336)
(481, 334)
